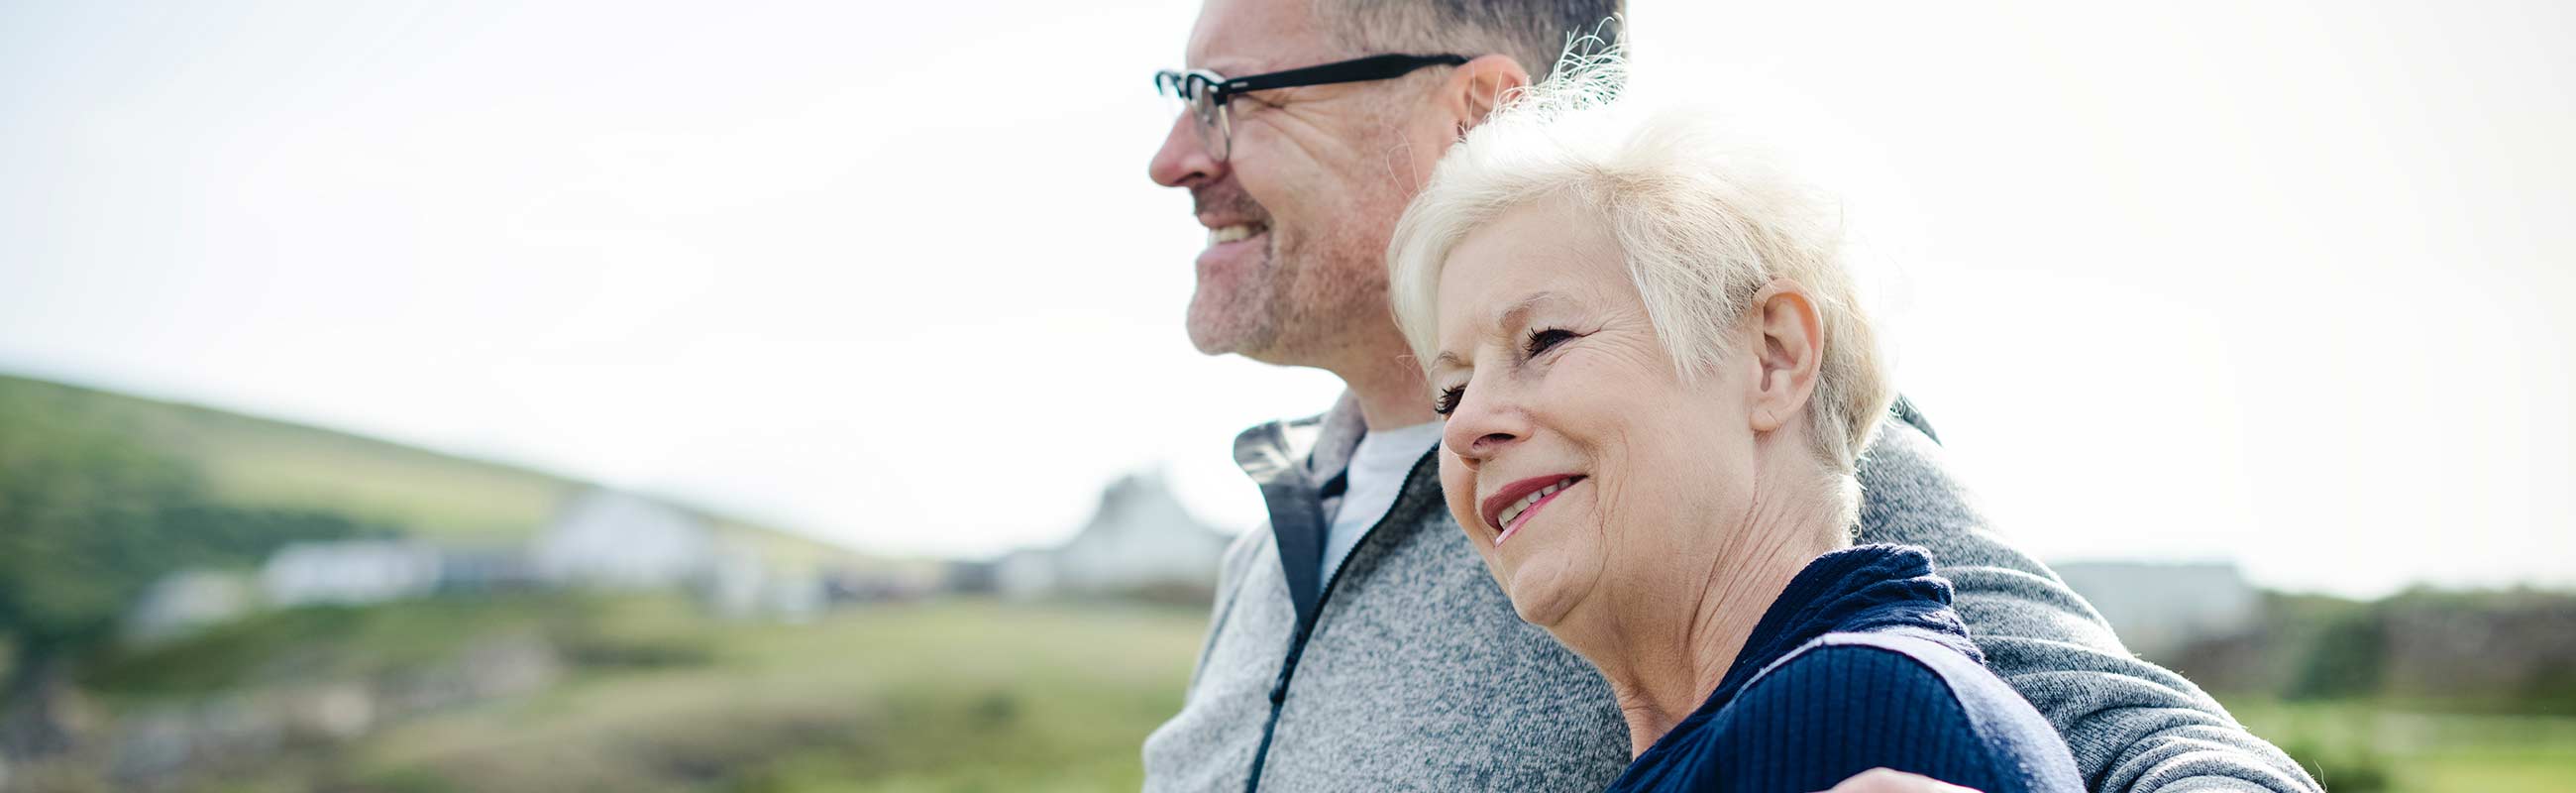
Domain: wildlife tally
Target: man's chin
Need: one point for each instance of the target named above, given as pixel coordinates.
(1227, 335)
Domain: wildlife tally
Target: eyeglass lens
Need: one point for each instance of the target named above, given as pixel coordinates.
(1197, 97)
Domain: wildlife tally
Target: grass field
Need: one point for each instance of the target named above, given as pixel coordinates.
(946, 696)
(954, 696)
(950, 697)
(986, 697)
(2365, 746)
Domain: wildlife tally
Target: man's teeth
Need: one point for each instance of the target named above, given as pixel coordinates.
(1232, 233)
(1514, 511)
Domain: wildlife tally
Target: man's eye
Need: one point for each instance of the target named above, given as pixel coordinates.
(1448, 401)
(1542, 339)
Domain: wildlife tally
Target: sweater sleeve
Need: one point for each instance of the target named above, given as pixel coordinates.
(1833, 712)
(2134, 727)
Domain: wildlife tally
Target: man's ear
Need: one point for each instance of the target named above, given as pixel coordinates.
(1788, 336)
(1478, 86)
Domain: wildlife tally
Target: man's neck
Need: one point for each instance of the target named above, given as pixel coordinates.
(1390, 391)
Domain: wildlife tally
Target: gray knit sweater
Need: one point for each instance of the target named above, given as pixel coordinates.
(1416, 674)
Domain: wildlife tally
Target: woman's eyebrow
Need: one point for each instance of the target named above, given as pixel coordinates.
(1511, 315)
(1518, 313)
(1446, 360)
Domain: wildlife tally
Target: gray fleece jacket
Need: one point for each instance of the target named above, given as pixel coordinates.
(1409, 670)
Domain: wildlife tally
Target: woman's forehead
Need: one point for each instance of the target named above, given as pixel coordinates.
(1530, 258)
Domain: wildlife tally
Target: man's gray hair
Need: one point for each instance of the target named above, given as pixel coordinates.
(1532, 32)
(1703, 220)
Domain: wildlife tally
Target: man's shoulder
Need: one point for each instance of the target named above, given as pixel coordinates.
(1244, 551)
(1902, 466)
(1909, 496)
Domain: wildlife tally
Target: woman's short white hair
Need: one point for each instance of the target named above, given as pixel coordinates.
(1704, 220)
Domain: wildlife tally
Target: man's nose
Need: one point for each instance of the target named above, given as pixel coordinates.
(1183, 160)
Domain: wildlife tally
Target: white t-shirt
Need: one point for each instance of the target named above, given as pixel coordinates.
(1375, 478)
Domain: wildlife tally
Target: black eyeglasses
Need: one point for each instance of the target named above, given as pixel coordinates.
(1207, 93)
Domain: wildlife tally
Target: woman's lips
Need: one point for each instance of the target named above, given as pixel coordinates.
(1522, 500)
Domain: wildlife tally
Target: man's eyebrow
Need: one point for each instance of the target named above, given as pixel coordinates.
(1233, 66)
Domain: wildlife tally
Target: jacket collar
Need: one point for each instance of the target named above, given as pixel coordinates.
(1290, 461)
(1281, 457)
(1862, 589)
(1313, 448)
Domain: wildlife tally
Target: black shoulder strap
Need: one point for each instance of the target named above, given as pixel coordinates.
(1297, 524)
(1905, 411)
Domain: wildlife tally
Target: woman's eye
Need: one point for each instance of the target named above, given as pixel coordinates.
(1541, 340)
(1448, 401)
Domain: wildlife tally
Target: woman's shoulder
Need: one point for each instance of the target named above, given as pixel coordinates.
(1849, 702)
(1904, 658)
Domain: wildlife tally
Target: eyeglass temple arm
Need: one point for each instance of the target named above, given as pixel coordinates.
(1375, 67)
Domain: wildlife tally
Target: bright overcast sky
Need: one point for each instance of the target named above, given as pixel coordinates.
(2284, 283)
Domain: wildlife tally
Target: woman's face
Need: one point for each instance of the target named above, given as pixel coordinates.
(1596, 482)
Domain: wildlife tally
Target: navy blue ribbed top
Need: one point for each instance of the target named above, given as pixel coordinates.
(1859, 664)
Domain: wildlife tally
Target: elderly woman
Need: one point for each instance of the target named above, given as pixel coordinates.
(1656, 378)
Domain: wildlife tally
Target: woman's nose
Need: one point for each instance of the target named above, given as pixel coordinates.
(1482, 426)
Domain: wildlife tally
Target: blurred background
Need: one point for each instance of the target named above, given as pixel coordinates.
(793, 396)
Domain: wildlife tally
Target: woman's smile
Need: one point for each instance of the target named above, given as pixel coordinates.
(1516, 503)
(1507, 510)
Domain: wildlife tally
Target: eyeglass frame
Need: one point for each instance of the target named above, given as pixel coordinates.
(1214, 118)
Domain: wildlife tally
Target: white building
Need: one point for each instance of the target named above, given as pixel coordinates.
(348, 572)
(2158, 608)
(1140, 540)
(741, 584)
(605, 538)
(186, 600)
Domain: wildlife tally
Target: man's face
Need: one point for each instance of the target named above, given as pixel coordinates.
(1298, 217)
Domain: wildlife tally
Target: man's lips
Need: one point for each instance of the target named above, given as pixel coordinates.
(1233, 248)
(1509, 508)
(1220, 233)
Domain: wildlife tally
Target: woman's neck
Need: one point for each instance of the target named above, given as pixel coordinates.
(1664, 675)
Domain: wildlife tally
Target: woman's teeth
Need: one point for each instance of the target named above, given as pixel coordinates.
(1232, 233)
(1513, 512)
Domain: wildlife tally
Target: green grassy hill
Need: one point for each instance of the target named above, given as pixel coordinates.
(650, 694)
(246, 461)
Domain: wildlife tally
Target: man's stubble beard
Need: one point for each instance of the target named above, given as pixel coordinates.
(1303, 308)
(1318, 299)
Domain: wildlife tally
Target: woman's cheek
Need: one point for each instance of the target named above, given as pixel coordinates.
(1458, 487)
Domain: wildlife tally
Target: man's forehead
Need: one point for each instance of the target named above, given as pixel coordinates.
(1239, 37)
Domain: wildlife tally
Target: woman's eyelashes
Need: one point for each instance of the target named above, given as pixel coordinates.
(1541, 339)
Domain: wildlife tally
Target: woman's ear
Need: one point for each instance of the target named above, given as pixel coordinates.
(1789, 348)
(1478, 86)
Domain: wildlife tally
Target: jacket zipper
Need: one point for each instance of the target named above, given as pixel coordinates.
(1297, 646)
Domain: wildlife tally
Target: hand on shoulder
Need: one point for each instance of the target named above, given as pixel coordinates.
(1881, 780)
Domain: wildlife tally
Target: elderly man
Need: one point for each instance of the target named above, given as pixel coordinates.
(1359, 643)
